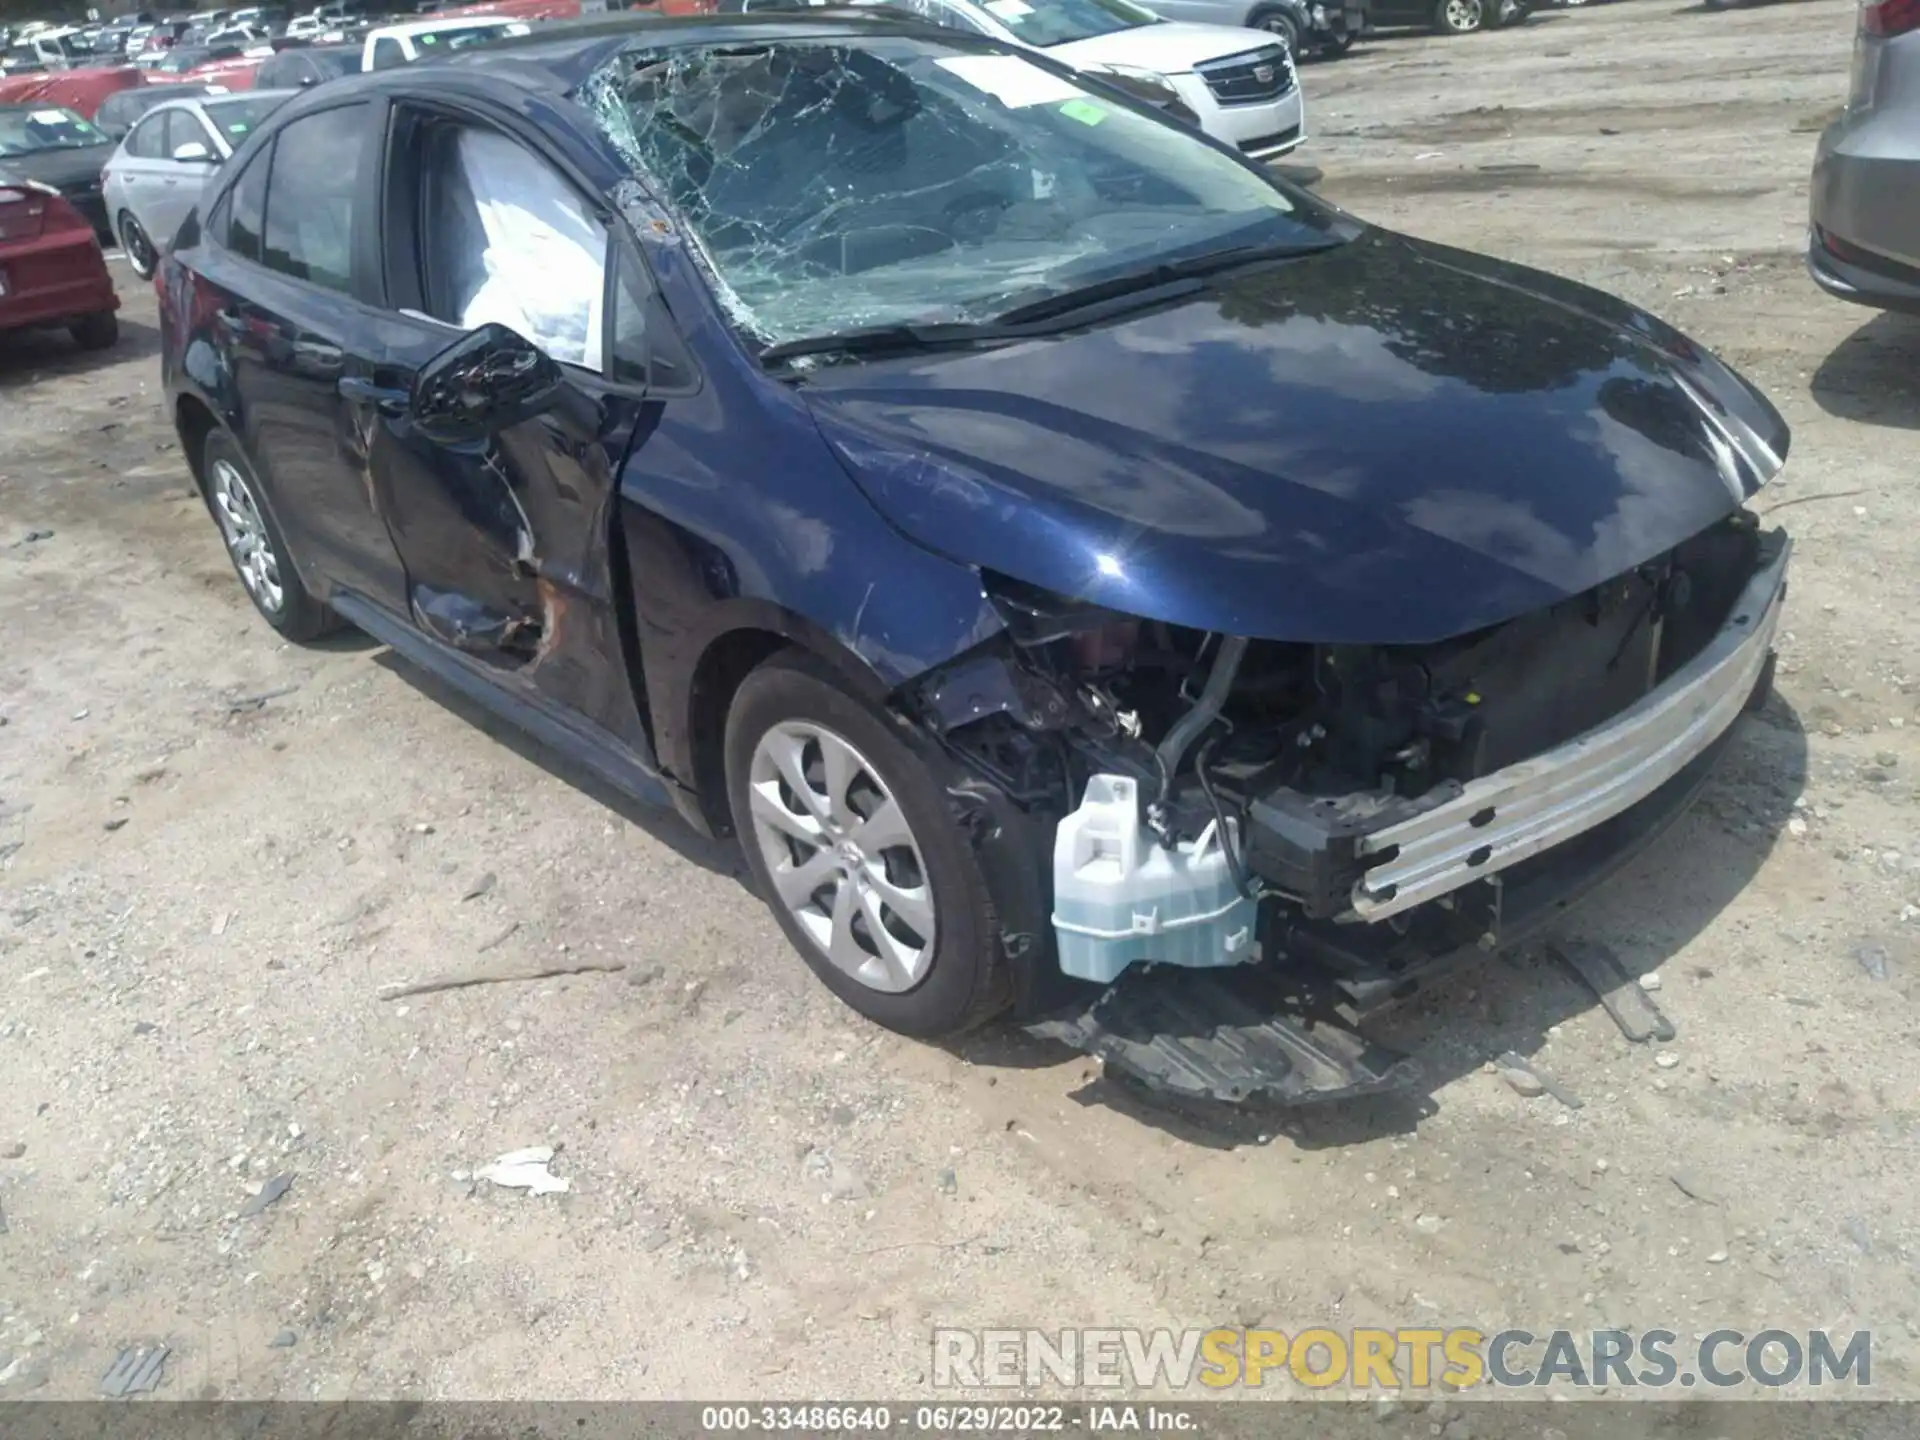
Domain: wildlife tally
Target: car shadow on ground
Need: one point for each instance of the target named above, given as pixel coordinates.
(1643, 916)
(30, 357)
(662, 824)
(1870, 375)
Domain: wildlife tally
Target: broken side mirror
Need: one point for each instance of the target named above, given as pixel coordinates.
(488, 380)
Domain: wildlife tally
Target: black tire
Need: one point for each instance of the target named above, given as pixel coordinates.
(1280, 24)
(1460, 17)
(966, 981)
(297, 615)
(100, 331)
(137, 246)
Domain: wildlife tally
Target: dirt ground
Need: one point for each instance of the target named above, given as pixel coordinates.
(218, 849)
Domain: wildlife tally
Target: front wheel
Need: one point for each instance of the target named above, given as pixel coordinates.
(1458, 17)
(1280, 25)
(848, 834)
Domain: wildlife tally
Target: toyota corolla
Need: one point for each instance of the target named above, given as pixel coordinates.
(1094, 578)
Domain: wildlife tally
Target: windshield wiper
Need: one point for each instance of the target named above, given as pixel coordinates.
(1152, 285)
(1174, 276)
(878, 339)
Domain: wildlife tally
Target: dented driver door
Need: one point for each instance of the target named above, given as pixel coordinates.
(505, 529)
(505, 538)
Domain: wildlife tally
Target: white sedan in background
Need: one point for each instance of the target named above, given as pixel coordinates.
(1240, 83)
(156, 175)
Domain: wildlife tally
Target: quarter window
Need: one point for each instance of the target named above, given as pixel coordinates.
(311, 199)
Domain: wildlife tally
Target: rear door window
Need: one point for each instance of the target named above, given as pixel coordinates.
(313, 195)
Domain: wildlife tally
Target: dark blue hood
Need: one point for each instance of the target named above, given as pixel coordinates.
(1388, 443)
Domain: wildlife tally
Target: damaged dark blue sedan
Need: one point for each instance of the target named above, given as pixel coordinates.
(1093, 578)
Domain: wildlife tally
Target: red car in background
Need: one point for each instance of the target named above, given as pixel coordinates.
(230, 72)
(52, 273)
(80, 91)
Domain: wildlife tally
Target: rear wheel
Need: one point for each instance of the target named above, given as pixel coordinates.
(1458, 17)
(96, 332)
(141, 255)
(257, 548)
(847, 831)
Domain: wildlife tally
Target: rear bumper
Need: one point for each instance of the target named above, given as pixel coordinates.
(53, 280)
(1864, 209)
(1878, 285)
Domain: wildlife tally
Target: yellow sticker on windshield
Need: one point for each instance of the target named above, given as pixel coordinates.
(1085, 111)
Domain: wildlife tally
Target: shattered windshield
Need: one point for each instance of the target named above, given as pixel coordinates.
(25, 131)
(1060, 22)
(833, 184)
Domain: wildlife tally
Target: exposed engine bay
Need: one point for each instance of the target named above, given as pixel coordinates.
(1349, 812)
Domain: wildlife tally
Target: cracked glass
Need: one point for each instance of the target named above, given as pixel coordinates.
(830, 184)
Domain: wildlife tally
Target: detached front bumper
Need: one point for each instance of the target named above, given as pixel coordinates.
(1369, 858)
(1503, 818)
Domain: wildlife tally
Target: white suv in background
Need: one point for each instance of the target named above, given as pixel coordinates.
(1240, 83)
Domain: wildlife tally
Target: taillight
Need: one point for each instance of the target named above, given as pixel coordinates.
(23, 212)
(1886, 18)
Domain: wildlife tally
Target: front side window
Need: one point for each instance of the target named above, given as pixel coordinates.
(184, 128)
(311, 197)
(507, 240)
(831, 184)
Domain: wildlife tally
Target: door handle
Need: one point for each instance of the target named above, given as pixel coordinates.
(388, 401)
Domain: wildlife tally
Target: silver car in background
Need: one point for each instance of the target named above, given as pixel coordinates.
(156, 175)
(1864, 241)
